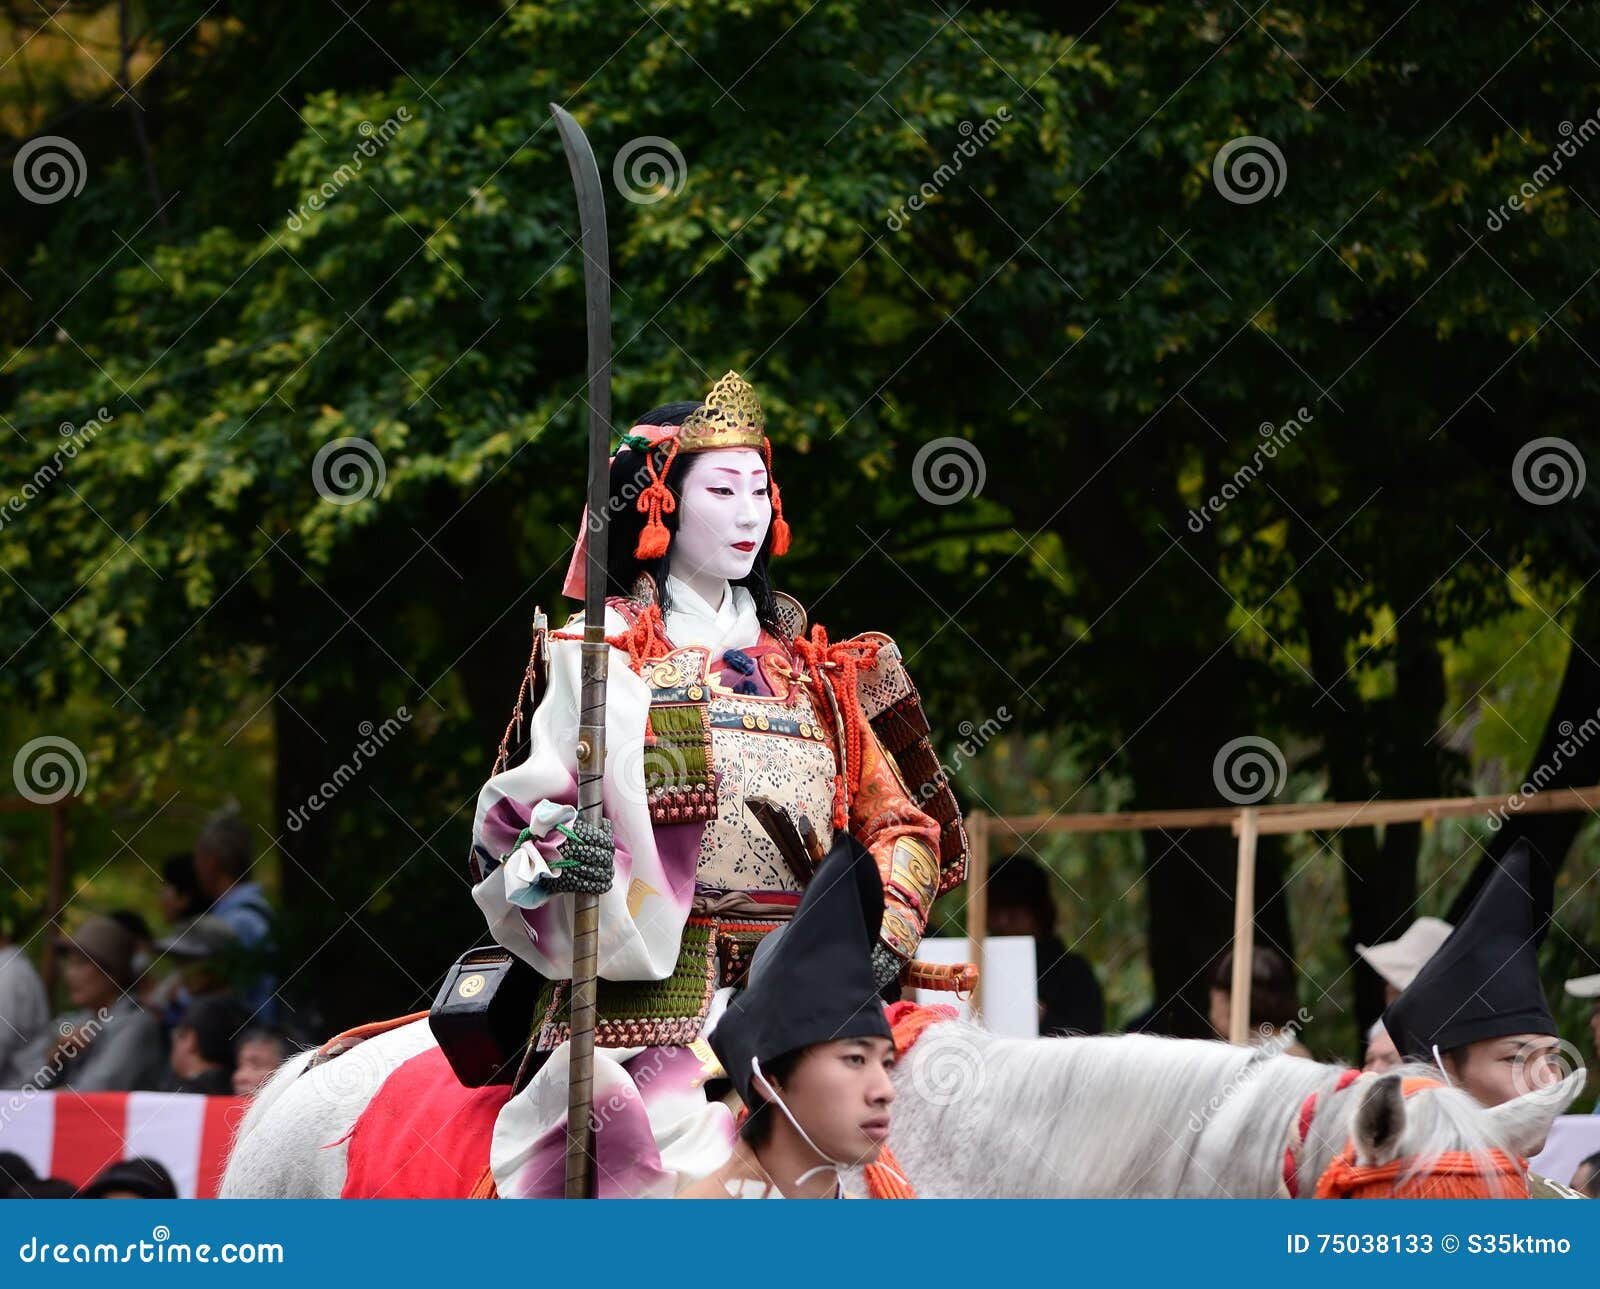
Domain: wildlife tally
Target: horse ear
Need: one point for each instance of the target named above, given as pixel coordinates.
(1523, 1123)
(1380, 1121)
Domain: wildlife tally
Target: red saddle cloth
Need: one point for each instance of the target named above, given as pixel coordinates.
(423, 1136)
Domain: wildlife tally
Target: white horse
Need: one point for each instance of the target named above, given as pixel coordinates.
(986, 1117)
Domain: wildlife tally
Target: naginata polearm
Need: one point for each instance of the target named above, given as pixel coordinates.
(592, 722)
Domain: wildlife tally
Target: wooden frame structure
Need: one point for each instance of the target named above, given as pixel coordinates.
(1249, 824)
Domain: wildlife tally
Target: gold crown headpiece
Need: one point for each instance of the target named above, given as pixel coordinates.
(730, 417)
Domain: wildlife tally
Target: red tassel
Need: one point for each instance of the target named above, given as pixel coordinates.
(780, 528)
(655, 501)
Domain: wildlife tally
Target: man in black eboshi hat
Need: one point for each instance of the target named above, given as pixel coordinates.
(807, 1045)
(1476, 1010)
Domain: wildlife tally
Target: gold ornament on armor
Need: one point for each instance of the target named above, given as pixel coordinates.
(913, 868)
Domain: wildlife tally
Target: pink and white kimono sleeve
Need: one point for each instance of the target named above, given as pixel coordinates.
(642, 916)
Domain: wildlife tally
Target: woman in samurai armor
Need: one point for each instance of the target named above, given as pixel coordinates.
(717, 695)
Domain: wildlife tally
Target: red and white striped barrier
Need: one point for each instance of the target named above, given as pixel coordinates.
(73, 1135)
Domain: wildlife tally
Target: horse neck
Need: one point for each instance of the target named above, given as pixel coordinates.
(1103, 1116)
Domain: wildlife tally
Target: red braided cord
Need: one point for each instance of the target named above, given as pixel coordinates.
(656, 500)
(643, 639)
(847, 657)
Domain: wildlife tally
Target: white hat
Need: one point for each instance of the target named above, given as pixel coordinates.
(1584, 986)
(1398, 961)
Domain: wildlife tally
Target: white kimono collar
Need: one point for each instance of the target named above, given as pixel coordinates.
(689, 620)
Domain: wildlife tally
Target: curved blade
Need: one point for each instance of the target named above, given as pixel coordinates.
(597, 297)
(592, 728)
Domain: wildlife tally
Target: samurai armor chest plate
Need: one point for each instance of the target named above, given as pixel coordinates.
(769, 748)
(710, 747)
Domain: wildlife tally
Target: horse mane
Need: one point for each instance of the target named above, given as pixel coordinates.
(1132, 1115)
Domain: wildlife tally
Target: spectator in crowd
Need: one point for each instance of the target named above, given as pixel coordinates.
(109, 1043)
(1020, 903)
(137, 1178)
(1274, 1010)
(224, 854)
(142, 939)
(15, 1172)
(1382, 1055)
(203, 956)
(261, 1050)
(24, 1015)
(202, 1057)
(1587, 1177)
(181, 897)
(1589, 987)
(1398, 961)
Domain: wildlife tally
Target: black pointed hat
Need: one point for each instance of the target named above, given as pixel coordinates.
(811, 980)
(1484, 980)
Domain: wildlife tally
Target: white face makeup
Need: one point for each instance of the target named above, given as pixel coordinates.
(723, 516)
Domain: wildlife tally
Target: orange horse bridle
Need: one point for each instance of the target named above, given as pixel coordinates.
(1456, 1174)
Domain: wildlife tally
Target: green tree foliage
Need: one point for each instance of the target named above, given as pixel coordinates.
(905, 225)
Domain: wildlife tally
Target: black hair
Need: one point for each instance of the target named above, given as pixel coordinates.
(178, 873)
(44, 1188)
(756, 1130)
(1272, 996)
(257, 1033)
(1020, 881)
(145, 1177)
(214, 1020)
(629, 478)
(15, 1173)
